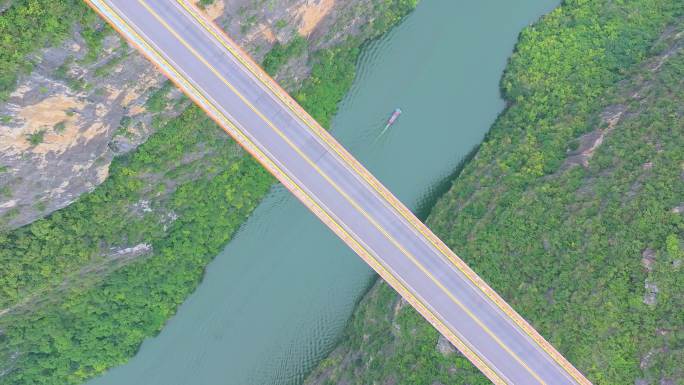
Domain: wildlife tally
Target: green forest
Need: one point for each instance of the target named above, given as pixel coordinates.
(70, 308)
(28, 24)
(87, 325)
(575, 248)
(591, 254)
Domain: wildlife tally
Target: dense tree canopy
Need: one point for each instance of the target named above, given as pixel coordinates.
(70, 306)
(31, 24)
(590, 253)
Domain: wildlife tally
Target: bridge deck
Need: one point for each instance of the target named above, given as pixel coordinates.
(222, 80)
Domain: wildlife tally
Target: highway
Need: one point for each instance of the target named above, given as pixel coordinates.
(217, 75)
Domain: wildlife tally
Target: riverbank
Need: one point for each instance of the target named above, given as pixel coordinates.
(571, 209)
(275, 301)
(83, 287)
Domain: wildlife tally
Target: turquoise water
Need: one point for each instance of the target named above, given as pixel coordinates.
(276, 300)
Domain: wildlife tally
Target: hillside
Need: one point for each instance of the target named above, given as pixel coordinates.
(73, 95)
(89, 271)
(571, 209)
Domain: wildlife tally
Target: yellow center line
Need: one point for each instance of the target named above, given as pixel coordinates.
(393, 201)
(232, 129)
(346, 157)
(343, 193)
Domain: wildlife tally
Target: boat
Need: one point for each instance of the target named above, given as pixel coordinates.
(391, 120)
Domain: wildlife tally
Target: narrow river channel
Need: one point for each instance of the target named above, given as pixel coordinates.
(276, 300)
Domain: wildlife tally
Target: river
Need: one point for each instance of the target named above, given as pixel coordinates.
(277, 298)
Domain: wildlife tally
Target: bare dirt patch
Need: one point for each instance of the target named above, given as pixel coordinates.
(148, 80)
(268, 34)
(312, 13)
(213, 11)
(55, 111)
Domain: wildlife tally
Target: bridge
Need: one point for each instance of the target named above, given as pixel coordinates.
(234, 91)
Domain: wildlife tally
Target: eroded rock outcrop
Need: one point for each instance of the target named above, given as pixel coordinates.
(67, 120)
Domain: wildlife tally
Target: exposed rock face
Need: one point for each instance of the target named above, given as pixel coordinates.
(648, 257)
(257, 25)
(591, 141)
(61, 128)
(445, 347)
(4, 4)
(678, 209)
(651, 295)
(58, 133)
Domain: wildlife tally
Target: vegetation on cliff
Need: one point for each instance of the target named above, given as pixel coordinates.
(87, 325)
(30, 24)
(572, 208)
(81, 288)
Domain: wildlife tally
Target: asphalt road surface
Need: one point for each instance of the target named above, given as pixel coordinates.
(222, 80)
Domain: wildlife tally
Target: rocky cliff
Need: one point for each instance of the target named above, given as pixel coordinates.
(93, 97)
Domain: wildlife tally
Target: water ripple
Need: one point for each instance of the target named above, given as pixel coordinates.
(276, 300)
